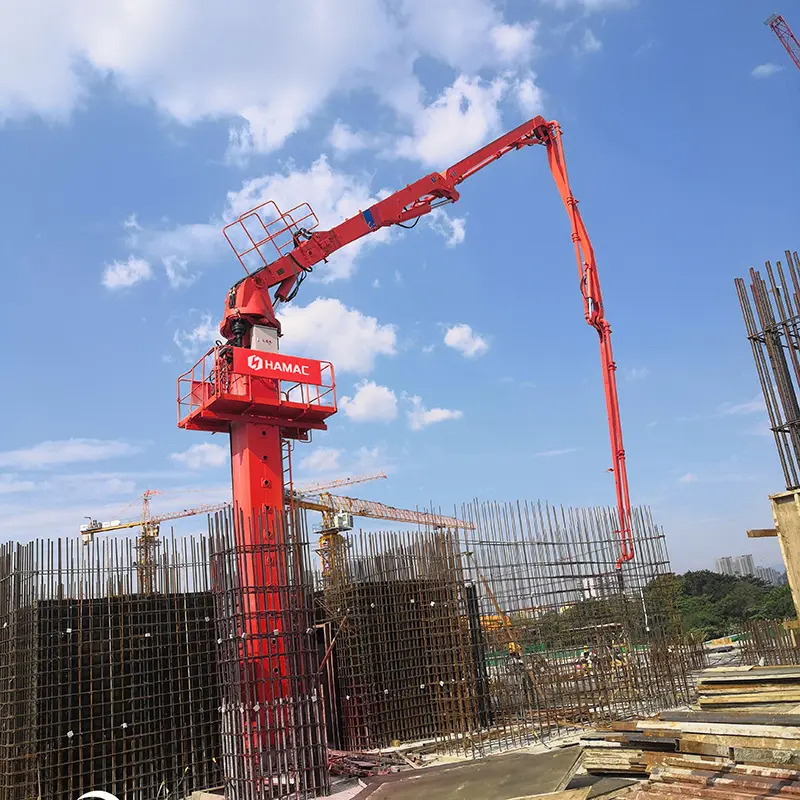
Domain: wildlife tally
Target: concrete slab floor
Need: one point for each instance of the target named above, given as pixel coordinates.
(502, 777)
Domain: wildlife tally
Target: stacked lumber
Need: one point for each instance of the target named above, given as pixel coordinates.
(693, 778)
(748, 687)
(639, 747)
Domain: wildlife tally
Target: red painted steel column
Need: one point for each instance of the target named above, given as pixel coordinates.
(258, 495)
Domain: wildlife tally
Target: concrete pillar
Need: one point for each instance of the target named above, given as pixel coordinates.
(786, 513)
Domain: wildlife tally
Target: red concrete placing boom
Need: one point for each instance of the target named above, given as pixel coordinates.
(298, 248)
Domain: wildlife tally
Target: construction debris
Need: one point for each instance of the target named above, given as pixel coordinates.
(353, 764)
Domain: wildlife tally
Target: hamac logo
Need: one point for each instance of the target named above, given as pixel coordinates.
(99, 795)
(254, 362)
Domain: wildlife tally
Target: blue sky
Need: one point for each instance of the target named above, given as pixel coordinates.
(128, 136)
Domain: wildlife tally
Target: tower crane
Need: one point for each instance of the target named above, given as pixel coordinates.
(338, 512)
(335, 483)
(263, 398)
(780, 27)
(149, 528)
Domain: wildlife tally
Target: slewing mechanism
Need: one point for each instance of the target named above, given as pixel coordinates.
(279, 249)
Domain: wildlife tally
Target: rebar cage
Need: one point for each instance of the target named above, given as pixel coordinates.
(231, 668)
(272, 742)
(772, 320)
(104, 686)
(513, 632)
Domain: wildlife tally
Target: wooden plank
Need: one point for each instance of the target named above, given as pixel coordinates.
(752, 698)
(732, 717)
(754, 742)
(760, 533)
(568, 794)
(777, 731)
(749, 670)
(713, 670)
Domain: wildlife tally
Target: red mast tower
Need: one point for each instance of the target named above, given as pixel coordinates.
(782, 30)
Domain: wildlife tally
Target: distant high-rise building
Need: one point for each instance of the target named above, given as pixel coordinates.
(725, 565)
(746, 566)
(742, 566)
(771, 576)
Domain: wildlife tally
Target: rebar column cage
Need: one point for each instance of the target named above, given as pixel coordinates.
(772, 319)
(272, 735)
(105, 686)
(510, 633)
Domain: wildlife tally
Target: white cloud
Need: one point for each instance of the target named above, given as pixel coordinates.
(714, 476)
(636, 373)
(177, 270)
(593, 5)
(369, 460)
(761, 428)
(10, 484)
(187, 60)
(200, 337)
(465, 116)
(529, 96)
(465, 340)
(178, 247)
(766, 70)
(202, 455)
(66, 451)
(420, 417)
(370, 403)
(122, 274)
(63, 500)
(590, 43)
(329, 330)
(344, 140)
(513, 42)
(456, 32)
(754, 406)
(323, 459)
(451, 229)
(555, 453)
(333, 195)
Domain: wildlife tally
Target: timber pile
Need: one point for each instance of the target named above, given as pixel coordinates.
(638, 747)
(748, 687)
(693, 778)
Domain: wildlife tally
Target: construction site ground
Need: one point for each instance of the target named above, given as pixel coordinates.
(535, 771)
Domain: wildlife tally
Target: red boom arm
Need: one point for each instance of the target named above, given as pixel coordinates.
(249, 302)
